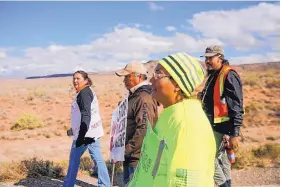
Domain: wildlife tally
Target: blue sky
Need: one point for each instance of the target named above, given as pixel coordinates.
(39, 38)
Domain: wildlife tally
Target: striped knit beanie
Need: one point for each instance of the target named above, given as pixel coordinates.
(185, 70)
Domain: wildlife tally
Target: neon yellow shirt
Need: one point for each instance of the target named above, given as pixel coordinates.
(179, 151)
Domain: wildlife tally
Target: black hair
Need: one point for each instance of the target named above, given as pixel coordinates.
(224, 61)
(85, 76)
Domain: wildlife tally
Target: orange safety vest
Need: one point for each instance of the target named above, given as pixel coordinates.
(220, 105)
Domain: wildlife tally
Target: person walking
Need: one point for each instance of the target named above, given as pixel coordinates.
(180, 150)
(222, 99)
(141, 109)
(87, 129)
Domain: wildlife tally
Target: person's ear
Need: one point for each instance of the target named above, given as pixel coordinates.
(177, 89)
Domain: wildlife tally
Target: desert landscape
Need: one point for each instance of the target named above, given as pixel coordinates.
(35, 114)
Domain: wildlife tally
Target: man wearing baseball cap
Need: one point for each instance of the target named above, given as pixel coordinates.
(141, 107)
(222, 99)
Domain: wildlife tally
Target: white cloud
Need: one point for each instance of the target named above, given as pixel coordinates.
(171, 28)
(242, 28)
(154, 7)
(3, 53)
(110, 52)
(255, 58)
(122, 45)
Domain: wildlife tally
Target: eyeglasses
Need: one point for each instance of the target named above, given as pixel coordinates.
(160, 76)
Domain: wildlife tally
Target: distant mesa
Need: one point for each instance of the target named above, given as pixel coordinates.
(51, 76)
(150, 65)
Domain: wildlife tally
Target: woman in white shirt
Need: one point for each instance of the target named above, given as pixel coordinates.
(87, 129)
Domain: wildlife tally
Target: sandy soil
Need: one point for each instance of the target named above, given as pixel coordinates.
(50, 99)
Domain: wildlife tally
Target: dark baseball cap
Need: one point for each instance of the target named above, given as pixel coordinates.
(213, 50)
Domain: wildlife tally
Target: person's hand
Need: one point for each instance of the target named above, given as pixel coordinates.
(88, 140)
(234, 142)
(115, 162)
(69, 132)
(199, 95)
(79, 142)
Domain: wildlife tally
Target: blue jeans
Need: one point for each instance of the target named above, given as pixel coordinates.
(127, 172)
(74, 162)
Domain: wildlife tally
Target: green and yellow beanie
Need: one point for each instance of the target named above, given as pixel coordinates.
(185, 70)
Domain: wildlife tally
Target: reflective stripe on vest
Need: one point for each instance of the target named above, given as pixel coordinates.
(220, 106)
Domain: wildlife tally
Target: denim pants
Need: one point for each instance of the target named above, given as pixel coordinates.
(74, 162)
(127, 172)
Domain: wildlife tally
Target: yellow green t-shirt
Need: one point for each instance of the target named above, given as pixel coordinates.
(179, 151)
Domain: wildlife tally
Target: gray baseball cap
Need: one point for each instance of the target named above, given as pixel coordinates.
(213, 50)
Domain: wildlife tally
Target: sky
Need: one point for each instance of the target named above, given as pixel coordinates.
(42, 38)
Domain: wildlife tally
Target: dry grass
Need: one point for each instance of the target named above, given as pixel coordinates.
(273, 83)
(270, 151)
(271, 138)
(260, 156)
(12, 171)
(37, 168)
(251, 81)
(86, 164)
(254, 107)
(261, 99)
(36, 94)
(27, 121)
(31, 168)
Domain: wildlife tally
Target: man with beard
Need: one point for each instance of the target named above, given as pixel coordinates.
(222, 99)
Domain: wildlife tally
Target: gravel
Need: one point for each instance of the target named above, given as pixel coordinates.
(258, 177)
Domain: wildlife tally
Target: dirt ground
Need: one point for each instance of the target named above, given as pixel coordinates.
(49, 100)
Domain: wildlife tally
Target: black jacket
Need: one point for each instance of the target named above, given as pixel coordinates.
(84, 100)
(141, 107)
(234, 98)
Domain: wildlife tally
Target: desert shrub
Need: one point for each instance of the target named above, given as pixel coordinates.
(35, 94)
(12, 171)
(86, 164)
(118, 172)
(32, 168)
(271, 138)
(243, 158)
(273, 107)
(273, 83)
(270, 150)
(37, 168)
(57, 134)
(251, 81)
(27, 121)
(118, 167)
(261, 156)
(47, 135)
(253, 107)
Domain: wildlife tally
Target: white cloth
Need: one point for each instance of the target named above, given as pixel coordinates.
(95, 129)
(132, 90)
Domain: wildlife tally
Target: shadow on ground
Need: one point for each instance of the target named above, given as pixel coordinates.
(48, 182)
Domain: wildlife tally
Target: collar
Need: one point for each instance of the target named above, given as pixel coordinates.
(132, 90)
